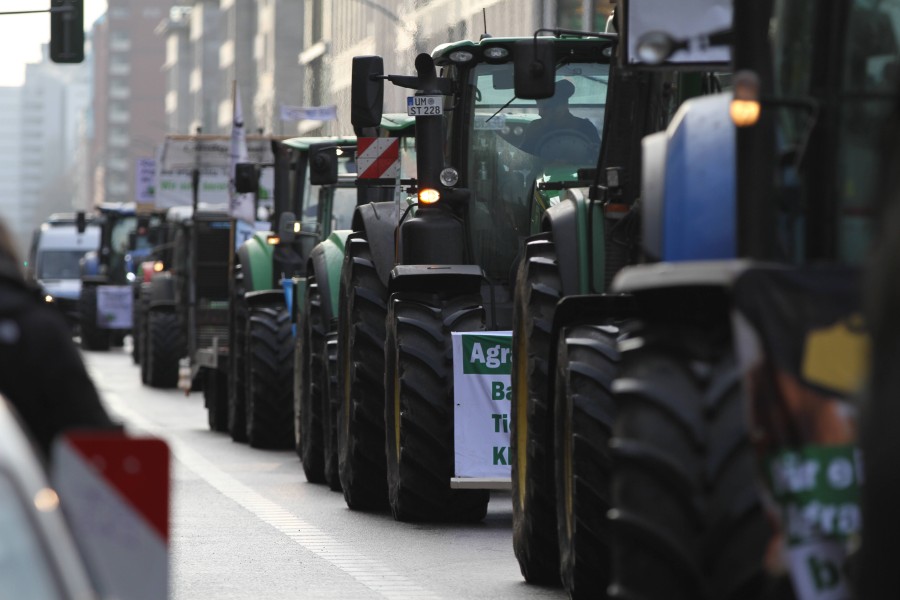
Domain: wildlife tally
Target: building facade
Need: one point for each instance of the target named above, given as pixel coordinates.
(130, 89)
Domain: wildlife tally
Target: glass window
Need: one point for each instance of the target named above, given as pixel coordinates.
(515, 141)
(59, 264)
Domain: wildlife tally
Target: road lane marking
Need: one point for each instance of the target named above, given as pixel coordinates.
(372, 574)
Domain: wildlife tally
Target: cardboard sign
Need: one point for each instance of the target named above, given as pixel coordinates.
(114, 306)
(482, 367)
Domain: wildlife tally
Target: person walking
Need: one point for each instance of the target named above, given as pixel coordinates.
(41, 370)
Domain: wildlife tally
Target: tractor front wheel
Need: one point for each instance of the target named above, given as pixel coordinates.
(269, 374)
(687, 519)
(537, 292)
(360, 430)
(587, 364)
(419, 408)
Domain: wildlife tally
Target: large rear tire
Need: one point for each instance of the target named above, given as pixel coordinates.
(136, 324)
(331, 402)
(587, 364)
(309, 419)
(165, 346)
(237, 415)
(531, 414)
(269, 377)
(687, 519)
(145, 334)
(215, 396)
(419, 408)
(363, 309)
(93, 337)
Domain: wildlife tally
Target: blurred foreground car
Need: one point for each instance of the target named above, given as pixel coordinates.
(99, 531)
(38, 556)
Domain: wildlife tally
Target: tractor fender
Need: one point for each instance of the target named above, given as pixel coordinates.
(379, 222)
(264, 298)
(457, 279)
(325, 262)
(567, 221)
(162, 291)
(587, 309)
(697, 290)
(255, 256)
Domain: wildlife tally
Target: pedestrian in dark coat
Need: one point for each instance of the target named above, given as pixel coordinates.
(41, 370)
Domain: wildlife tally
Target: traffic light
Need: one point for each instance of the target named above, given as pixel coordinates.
(67, 31)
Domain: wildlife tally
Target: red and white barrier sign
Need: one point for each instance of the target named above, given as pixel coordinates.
(378, 158)
(115, 494)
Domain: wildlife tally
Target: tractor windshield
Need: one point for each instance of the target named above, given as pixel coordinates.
(867, 77)
(316, 199)
(515, 141)
(119, 237)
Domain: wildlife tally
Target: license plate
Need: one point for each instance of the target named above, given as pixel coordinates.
(424, 106)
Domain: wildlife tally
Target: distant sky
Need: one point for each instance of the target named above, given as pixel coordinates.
(21, 36)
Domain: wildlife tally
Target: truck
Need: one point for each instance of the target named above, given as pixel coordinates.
(54, 261)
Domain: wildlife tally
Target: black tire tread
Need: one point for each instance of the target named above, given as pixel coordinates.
(92, 336)
(537, 292)
(165, 346)
(361, 335)
(588, 362)
(309, 403)
(269, 362)
(419, 359)
(705, 537)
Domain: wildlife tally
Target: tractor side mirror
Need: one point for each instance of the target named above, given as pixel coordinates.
(366, 92)
(323, 167)
(288, 227)
(246, 178)
(534, 69)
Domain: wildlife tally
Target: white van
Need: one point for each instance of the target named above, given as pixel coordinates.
(55, 265)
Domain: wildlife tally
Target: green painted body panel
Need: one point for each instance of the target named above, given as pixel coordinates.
(333, 248)
(260, 252)
(598, 248)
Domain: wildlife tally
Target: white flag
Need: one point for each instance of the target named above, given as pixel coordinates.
(241, 204)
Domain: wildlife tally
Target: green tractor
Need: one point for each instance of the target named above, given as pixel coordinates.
(258, 407)
(105, 303)
(483, 170)
(560, 465)
(316, 397)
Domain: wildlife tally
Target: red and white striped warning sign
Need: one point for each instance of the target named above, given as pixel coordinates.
(115, 492)
(378, 158)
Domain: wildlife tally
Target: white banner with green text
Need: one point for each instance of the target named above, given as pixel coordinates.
(482, 367)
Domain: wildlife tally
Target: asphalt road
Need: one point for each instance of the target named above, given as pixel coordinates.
(245, 524)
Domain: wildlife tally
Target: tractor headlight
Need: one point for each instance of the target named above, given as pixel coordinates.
(429, 196)
(449, 177)
(461, 56)
(496, 53)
